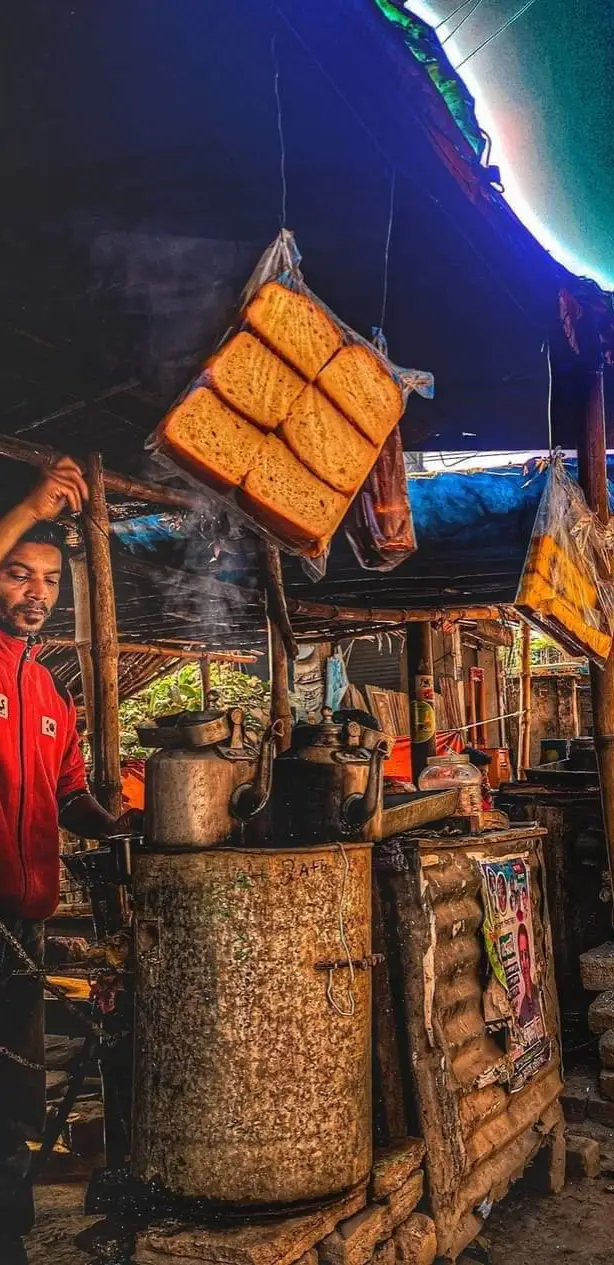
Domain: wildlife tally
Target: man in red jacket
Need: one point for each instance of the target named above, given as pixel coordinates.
(42, 784)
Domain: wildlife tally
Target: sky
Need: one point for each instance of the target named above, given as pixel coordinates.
(544, 91)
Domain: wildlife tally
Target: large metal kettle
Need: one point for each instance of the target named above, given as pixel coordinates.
(206, 781)
(329, 785)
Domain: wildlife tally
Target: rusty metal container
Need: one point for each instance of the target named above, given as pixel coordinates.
(252, 1037)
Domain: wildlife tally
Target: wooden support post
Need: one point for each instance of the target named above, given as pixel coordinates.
(592, 473)
(524, 739)
(205, 679)
(281, 642)
(421, 682)
(83, 636)
(107, 772)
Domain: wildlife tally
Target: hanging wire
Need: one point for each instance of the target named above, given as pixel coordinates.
(280, 132)
(514, 18)
(452, 14)
(476, 4)
(387, 249)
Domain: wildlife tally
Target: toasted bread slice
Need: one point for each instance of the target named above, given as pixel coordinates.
(361, 387)
(321, 437)
(254, 380)
(280, 491)
(295, 327)
(209, 439)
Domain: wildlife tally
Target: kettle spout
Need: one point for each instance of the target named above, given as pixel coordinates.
(359, 809)
(250, 798)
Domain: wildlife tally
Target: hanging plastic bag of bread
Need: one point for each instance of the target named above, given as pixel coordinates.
(380, 525)
(286, 420)
(567, 587)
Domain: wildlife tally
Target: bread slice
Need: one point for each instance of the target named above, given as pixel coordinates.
(254, 380)
(209, 439)
(321, 437)
(283, 494)
(359, 384)
(294, 326)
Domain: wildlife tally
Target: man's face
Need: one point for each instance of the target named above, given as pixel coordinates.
(29, 587)
(524, 954)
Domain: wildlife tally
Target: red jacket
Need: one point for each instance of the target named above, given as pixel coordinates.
(41, 768)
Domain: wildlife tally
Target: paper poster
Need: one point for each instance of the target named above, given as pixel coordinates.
(508, 936)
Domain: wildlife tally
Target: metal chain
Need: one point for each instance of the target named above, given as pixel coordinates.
(38, 972)
(19, 1058)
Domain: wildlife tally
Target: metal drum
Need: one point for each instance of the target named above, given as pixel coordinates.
(252, 1037)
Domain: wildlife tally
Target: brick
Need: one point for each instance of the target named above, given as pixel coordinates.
(416, 1241)
(400, 1205)
(601, 1013)
(583, 1157)
(597, 968)
(546, 1174)
(85, 1128)
(606, 1048)
(309, 1258)
(391, 1168)
(355, 1240)
(606, 1083)
(601, 1110)
(275, 1243)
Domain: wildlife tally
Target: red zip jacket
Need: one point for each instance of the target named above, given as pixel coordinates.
(41, 768)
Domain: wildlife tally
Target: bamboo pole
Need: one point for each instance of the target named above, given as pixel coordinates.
(592, 474)
(136, 489)
(421, 684)
(83, 636)
(524, 745)
(105, 654)
(390, 615)
(163, 652)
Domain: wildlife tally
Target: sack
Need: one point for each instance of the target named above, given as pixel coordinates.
(566, 588)
(287, 419)
(380, 525)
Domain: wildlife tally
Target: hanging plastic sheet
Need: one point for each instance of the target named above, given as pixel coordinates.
(566, 588)
(287, 419)
(380, 526)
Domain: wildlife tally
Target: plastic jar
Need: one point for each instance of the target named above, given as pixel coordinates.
(454, 772)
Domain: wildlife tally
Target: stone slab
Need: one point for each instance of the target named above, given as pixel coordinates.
(597, 968)
(601, 1013)
(583, 1157)
(280, 1242)
(606, 1049)
(577, 1090)
(402, 1202)
(355, 1240)
(391, 1168)
(606, 1083)
(601, 1110)
(416, 1241)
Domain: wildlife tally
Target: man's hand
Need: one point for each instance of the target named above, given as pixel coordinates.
(62, 484)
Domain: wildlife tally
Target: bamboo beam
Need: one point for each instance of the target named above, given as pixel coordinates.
(105, 654)
(135, 489)
(393, 615)
(524, 745)
(83, 636)
(164, 652)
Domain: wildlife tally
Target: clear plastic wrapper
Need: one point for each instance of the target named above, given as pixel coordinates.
(566, 588)
(380, 525)
(287, 419)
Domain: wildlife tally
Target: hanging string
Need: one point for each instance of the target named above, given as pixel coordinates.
(549, 361)
(451, 15)
(387, 250)
(347, 1012)
(280, 132)
(514, 18)
(476, 4)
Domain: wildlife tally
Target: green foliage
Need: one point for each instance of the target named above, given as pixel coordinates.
(181, 691)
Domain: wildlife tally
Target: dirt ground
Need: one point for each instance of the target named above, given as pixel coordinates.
(574, 1228)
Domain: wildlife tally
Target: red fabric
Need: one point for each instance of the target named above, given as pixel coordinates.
(40, 766)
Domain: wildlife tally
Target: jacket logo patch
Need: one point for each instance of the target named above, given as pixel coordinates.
(4, 707)
(49, 727)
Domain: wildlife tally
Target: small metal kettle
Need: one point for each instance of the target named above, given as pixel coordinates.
(206, 782)
(329, 785)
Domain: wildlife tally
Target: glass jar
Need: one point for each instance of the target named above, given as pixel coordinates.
(454, 772)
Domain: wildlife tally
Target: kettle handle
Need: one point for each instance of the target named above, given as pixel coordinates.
(248, 799)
